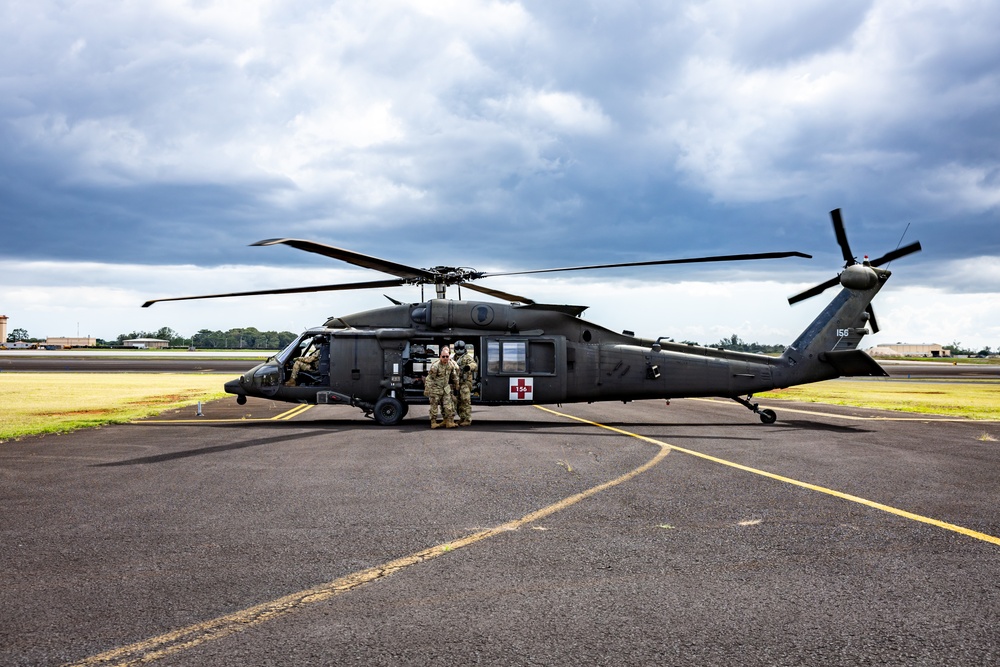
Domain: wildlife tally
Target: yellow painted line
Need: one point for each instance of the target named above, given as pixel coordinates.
(179, 640)
(284, 416)
(805, 485)
(184, 638)
(925, 418)
(294, 412)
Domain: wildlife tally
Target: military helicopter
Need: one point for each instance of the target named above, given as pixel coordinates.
(533, 353)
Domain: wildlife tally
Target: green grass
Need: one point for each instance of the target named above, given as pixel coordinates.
(36, 403)
(980, 400)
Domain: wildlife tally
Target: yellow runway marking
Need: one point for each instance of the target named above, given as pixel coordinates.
(223, 626)
(284, 416)
(184, 638)
(805, 485)
(294, 412)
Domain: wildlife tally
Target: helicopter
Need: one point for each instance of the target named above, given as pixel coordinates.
(534, 353)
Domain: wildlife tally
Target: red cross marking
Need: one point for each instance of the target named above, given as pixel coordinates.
(520, 388)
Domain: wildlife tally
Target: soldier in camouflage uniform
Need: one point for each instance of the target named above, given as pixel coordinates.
(441, 380)
(465, 359)
(309, 361)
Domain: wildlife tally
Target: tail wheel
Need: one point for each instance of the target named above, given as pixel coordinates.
(768, 416)
(389, 411)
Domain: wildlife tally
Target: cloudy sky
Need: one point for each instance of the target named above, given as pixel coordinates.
(146, 144)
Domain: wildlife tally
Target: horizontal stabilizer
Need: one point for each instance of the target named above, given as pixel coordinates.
(853, 363)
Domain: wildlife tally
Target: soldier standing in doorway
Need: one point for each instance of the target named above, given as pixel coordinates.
(465, 359)
(441, 380)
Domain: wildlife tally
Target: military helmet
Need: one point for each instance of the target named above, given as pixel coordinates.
(459, 347)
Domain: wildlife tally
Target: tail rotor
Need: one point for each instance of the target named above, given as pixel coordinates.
(855, 275)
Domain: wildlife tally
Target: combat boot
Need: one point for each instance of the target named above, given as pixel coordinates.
(449, 423)
(465, 422)
(435, 423)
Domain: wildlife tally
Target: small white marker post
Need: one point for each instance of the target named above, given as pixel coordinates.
(199, 410)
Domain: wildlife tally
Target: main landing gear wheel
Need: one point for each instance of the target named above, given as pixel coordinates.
(389, 411)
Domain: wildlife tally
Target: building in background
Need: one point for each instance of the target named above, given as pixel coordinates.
(3, 328)
(909, 350)
(146, 343)
(70, 341)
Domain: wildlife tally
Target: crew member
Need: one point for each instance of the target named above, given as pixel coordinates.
(465, 359)
(441, 380)
(308, 362)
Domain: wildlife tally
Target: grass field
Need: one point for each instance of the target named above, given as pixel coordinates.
(37, 403)
(979, 400)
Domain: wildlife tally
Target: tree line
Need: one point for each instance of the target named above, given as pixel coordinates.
(248, 338)
(243, 338)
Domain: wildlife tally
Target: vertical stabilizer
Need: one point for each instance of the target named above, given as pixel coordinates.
(828, 348)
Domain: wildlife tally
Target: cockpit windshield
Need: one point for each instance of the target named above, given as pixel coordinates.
(293, 348)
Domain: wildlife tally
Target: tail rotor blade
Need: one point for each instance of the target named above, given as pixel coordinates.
(871, 318)
(838, 229)
(818, 289)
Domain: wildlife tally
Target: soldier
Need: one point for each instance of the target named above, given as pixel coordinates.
(465, 359)
(308, 361)
(441, 379)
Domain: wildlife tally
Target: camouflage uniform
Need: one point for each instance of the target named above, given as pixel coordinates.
(467, 366)
(438, 385)
(310, 362)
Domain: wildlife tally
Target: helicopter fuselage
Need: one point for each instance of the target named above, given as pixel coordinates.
(527, 354)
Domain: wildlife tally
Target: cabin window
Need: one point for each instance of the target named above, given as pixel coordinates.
(514, 357)
(542, 357)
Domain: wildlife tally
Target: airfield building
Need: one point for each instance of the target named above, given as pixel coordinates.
(909, 350)
(70, 341)
(146, 343)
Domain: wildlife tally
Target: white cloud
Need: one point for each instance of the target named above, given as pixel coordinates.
(561, 111)
(610, 127)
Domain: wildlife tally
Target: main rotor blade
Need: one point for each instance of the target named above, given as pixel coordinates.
(288, 290)
(356, 258)
(689, 260)
(813, 291)
(506, 296)
(897, 253)
(838, 229)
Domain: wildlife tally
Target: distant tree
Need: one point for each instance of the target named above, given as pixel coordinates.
(957, 349)
(736, 343)
(17, 335)
(248, 338)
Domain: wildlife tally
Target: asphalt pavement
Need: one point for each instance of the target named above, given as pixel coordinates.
(641, 533)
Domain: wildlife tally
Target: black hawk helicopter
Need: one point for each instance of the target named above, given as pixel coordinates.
(532, 353)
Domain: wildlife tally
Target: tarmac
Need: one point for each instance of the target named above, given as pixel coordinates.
(627, 534)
